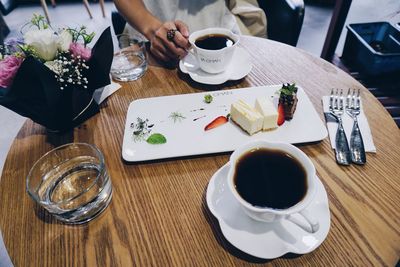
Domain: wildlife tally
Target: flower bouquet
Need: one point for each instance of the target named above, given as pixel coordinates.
(50, 76)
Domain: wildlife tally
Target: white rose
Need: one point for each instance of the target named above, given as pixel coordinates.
(44, 42)
(64, 40)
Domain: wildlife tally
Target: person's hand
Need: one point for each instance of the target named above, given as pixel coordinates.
(174, 48)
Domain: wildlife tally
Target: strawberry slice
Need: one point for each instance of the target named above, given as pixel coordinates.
(216, 122)
(281, 115)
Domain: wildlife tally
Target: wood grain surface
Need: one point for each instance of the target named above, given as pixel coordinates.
(158, 215)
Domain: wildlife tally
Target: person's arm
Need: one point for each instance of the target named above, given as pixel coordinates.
(137, 15)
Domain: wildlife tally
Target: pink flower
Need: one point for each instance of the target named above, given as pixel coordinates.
(8, 68)
(78, 49)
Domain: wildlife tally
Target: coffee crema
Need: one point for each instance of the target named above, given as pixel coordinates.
(214, 41)
(269, 178)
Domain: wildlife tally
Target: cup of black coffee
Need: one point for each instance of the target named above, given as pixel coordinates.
(272, 181)
(213, 48)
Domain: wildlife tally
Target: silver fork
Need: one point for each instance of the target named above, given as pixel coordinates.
(356, 140)
(336, 108)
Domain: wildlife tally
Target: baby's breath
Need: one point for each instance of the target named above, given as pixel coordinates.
(69, 70)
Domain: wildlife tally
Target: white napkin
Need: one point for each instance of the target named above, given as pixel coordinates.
(348, 126)
(99, 95)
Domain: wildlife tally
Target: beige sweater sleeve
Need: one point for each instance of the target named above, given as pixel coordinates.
(249, 16)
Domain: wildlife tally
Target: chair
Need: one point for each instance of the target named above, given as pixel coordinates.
(284, 20)
(6, 6)
(384, 87)
(4, 30)
(85, 3)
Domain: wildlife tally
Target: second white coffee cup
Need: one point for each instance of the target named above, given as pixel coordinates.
(213, 61)
(266, 214)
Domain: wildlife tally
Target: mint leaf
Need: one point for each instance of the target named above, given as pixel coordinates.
(156, 139)
(288, 89)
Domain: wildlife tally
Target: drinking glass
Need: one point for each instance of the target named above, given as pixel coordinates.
(71, 182)
(130, 62)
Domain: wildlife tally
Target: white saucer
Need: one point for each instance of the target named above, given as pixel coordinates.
(264, 240)
(239, 67)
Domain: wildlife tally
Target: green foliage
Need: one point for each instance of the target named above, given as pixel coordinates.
(39, 21)
(29, 51)
(81, 32)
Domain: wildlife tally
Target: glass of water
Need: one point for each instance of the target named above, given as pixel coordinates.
(130, 62)
(71, 182)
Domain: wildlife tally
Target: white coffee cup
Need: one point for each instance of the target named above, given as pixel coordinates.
(266, 214)
(213, 61)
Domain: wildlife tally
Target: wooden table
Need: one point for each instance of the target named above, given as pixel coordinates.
(158, 215)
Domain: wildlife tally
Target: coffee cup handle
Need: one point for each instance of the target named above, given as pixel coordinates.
(312, 225)
(191, 51)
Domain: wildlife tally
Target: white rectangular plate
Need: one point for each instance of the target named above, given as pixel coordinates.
(187, 137)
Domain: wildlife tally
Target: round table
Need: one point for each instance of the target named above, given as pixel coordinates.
(158, 215)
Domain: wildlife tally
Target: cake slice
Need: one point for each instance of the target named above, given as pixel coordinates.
(288, 99)
(246, 117)
(266, 108)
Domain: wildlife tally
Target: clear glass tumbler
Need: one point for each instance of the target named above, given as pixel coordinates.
(71, 182)
(130, 62)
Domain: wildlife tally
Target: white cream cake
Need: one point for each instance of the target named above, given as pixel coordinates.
(267, 109)
(246, 117)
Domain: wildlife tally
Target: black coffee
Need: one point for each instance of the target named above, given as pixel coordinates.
(214, 41)
(270, 178)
